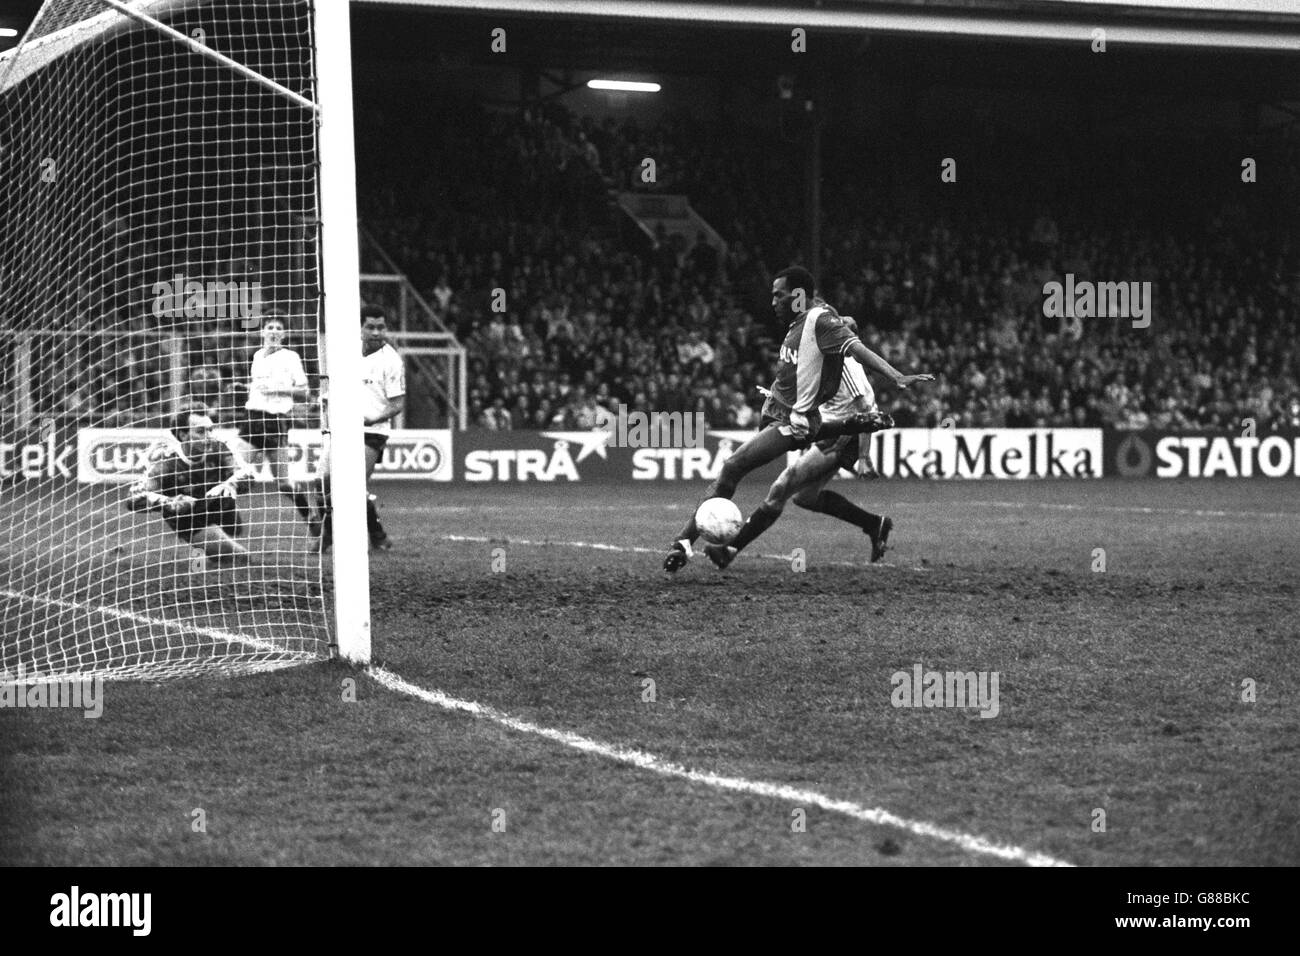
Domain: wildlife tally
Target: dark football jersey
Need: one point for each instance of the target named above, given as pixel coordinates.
(174, 474)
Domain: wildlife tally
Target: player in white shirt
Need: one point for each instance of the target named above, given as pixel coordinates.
(805, 480)
(276, 381)
(383, 379)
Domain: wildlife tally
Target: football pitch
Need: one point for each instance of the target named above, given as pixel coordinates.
(544, 694)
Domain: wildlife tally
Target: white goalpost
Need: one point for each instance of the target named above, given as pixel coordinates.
(340, 265)
(177, 196)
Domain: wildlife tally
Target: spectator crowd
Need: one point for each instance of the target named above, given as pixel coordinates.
(505, 222)
(595, 314)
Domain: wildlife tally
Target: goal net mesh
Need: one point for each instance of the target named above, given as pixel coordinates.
(158, 211)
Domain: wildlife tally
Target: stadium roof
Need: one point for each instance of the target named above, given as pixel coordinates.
(1244, 24)
(1239, 24)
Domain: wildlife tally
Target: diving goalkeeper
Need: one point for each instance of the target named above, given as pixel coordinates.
(194, 487)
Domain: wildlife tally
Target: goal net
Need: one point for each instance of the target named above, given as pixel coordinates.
(159, 211)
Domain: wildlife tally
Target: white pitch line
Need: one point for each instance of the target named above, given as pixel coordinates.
(576, 506)
(646, 761)
(1115, 509)
(633, 549)
(593, 545)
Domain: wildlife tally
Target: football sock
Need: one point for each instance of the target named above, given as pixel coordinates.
(835, 429)
(372, 522)
(690, 533)
(832, 429)
(857, 425)
(837, 506)
(762, 519)
(301, 500)
(723, 488)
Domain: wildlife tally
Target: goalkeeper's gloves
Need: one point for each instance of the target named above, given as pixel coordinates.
(224, 490)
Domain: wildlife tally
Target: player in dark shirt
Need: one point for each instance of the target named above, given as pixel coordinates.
(194, 488)
(807, 374)
(804, 480)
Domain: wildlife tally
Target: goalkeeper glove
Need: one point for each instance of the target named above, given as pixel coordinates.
(224, 490)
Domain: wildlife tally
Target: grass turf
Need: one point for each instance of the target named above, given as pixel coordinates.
(1119, 690)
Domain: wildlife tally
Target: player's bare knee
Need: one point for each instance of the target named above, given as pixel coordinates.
(777, 495)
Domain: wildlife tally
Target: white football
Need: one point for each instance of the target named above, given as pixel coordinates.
(718, 520)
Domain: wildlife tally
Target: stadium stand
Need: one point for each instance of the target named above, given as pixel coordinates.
(599, 314)
(597, 317)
